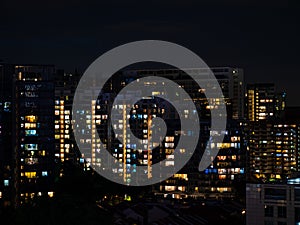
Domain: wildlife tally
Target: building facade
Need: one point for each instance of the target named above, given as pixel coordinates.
(28, 138)
(273, 204)
(264, 103)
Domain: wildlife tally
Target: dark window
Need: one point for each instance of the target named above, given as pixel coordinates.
(297, 215)
(282, 211)
(281, 223)
(297, 194)
(275, 194)
(269, 223)
(269, 211)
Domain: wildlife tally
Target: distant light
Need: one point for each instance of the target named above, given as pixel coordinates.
(44, 173)
(243, 212)
(6, 183)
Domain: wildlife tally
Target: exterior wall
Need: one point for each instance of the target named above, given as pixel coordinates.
(35, 166)
(272, 204)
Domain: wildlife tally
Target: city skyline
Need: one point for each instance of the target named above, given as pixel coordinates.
(261, 140)
(150, 113)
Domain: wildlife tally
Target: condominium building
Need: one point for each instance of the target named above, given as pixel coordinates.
(273, 150)
(65, 147)
(276, 204)
(263, 102)
(29, 135)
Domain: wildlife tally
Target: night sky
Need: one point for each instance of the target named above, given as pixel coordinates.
(263, 38)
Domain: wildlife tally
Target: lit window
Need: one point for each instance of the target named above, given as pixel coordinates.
(170, 188)
(31, 161)
(31, 118)
(6, 183)
(30, 174)
(30, 147)
(30, 133)
(44, 173)
(169, 163)
(30, 125)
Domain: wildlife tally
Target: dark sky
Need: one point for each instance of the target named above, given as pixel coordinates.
(263, 38)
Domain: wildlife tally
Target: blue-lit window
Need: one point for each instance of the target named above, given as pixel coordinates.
(44, 173)
(208, 171)
(31, 147)
(7, 106)
(6, 183)
(30, 133)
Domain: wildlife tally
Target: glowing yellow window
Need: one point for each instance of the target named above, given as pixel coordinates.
(30, 174)
(31, 118)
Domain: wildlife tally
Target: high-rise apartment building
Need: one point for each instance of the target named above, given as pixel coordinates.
(34, 119)
(65, 146)
(272, 138)
(231, 81)
(263, 103)
(30, 135)
(273, 150)
(232, 84)
(6, 137)
(276, 204)
(228, 169)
